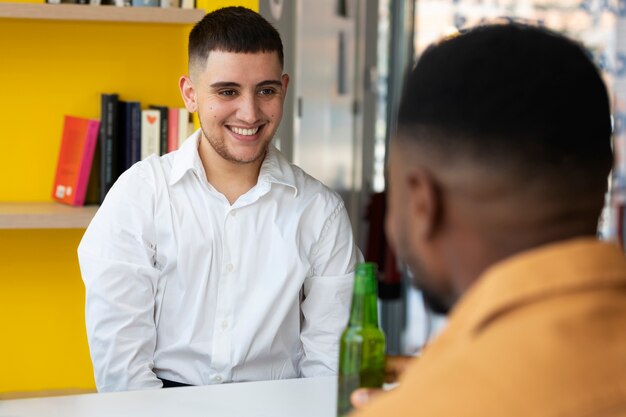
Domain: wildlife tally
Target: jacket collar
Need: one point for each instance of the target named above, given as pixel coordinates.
(536, 274)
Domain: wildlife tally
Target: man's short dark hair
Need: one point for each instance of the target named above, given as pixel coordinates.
(233, 29)
(518, 99)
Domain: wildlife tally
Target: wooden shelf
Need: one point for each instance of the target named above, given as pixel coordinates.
(44, 216)
(99, 13)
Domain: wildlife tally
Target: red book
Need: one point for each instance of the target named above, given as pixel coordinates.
(172, 129)
(78, 144)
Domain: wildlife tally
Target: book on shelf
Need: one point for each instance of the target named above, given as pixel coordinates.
(179, 4)
(150, 132)
(163, 135)
(109, 142)
(67, 1)
(145, 3)
(172, 129)
(118, 3)
(170, 3)
(187, 4)
(185, 125)
(78, 142)
(130, 132)
(93, 186)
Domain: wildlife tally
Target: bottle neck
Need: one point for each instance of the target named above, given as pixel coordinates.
(364, 310)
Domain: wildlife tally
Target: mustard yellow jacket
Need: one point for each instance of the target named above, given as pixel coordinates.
(541, 334)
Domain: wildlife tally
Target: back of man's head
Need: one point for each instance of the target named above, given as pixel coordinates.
(522, 106)
(232, 29)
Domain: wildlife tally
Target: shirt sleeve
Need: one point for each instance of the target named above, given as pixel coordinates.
(327, 295)
(117, 262)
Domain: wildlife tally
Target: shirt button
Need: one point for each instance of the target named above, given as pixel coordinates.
(230, 268)
(224, 324)
(218, 378)
(233, 212)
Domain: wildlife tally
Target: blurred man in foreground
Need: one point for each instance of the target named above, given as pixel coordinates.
(496, 181)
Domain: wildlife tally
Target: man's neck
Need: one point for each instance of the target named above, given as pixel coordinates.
(229, 178)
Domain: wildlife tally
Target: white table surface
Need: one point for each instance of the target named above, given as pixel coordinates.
(306, 397)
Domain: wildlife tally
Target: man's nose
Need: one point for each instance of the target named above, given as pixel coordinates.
(248, 111)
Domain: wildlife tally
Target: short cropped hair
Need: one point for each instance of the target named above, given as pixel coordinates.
(520, 99)
(232, 29)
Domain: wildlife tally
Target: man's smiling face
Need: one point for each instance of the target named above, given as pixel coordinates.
(239, 99)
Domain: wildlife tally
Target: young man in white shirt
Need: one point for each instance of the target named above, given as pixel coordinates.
(219, 262)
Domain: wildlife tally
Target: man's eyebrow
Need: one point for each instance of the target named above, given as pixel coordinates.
(232, 84)
(223, 84)
(275, 83)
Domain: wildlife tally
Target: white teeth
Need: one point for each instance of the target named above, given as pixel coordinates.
(245, 132)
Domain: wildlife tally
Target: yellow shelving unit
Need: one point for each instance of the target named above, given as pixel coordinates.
(99, 13)
(57, 60)
(44, 215)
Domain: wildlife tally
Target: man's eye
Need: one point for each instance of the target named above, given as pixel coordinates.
(227, 93)
(267, 92)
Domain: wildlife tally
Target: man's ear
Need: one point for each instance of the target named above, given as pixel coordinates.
(425, 202)
(188, 92)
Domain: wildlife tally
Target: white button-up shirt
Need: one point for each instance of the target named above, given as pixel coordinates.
(184, 286)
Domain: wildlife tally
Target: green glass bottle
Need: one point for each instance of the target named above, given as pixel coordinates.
(362, 345)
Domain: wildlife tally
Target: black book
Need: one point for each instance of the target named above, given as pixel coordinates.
(164, 128)
(93, 186)
(129, 127)
(109, 142)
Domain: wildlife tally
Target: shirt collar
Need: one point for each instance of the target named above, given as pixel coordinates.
(275, 168)
(187, 159)
(536, 274)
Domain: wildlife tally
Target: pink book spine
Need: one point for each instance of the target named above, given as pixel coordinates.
(172, 133)
(85, 167)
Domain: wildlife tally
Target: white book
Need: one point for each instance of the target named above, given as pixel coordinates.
(150, 132)
(183, 125)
